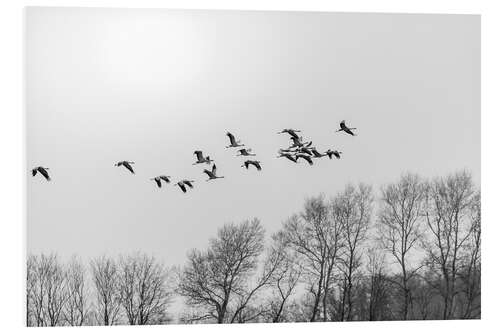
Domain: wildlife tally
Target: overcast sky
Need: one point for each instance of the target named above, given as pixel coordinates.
(152, 86)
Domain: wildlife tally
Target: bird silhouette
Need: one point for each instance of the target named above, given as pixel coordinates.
(212, 174)
(290, 131)
(42, 171)
(344, 128)
(331, 153)
(256, 164)
(233, 142)
(305, 157)
(200, 158)
(126, 164)
(158, 180)
(245, 152)
(182, 184)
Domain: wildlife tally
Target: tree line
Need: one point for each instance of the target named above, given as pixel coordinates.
(411, 251)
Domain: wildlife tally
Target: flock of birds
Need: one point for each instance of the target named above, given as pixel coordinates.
(299, 149)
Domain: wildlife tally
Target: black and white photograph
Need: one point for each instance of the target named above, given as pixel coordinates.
(229, 166)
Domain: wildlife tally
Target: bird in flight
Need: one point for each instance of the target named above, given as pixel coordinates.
(344, 128)
(305, 157)
(290, 131)
(331, 153)
(212, 174)
(158, 180)
(245, 152)
(200, 158)
(287, 155)
(256, 164)
(233, 142)
(126, 164)
(182, 184)
(42, 171)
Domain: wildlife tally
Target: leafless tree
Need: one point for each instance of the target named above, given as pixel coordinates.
(315, 237)
(105, 278)
(217, 281)
(145, 289)
(47, 290)
(378, 285)
(470, 273)
(400, 218)
(352, 210)
(76, 309)
(284, 281)
(448, 217)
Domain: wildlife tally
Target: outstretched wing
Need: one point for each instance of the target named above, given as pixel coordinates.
(158, 181)
(214, 169)
(182, 187)
(232, 140)
(199, 155)
(292, 133)
(209, 173)
(33, 172)
(291, 158)
(257, 165)
(44, 173)
(188, 183)
(165, 178)
(128, 166)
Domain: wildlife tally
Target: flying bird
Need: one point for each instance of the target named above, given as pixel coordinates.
(344, 128)
(290, 131)
(212, 174)
(182, 184)
(305, 157)
(245, 152)
(256, 164)
(331, 153)
(158, 180)
(233, 141)
(287, 156)
(42, 171)
(126, 164)
(200, 158)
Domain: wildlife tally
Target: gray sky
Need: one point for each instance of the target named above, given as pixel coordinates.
(152, 86)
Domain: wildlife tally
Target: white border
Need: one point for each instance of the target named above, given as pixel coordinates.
(13, 168)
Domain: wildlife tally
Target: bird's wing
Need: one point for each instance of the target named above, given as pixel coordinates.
(33, 172)
(188, 183)
(231, 138)
(158, 181)
(183, 188)
(44, 173)
(214, 169)
(165, 178)
(258, 166)
(209, 173)
(199, 155)
(128, 166)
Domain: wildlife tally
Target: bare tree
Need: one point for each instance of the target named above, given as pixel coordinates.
(76, 309)
(315, 237)
(285, 280)
(352, 210)
(216, 281)
(145, 290)
(450, 202)
(47, 290)
(379, 287)
(400, 217)
(105, 278)
(470, 273)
